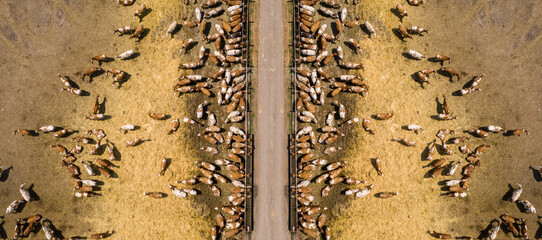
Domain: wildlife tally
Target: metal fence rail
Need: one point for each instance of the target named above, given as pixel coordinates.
(248, 221)
(293, 221)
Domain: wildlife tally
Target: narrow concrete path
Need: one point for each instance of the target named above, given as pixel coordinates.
(271, 157)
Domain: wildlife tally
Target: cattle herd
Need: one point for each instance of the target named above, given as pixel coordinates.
(228, 175)
(315, 140)
(312, 65)
(225, 177)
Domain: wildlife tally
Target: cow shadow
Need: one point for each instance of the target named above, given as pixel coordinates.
(446, 74)
(33, 194)
(442, 183)
(101, 106)
(456, 93)
(101, 149)
(521, 208)
(3, 233)
(435, 60)
(85, 93)
(5, 174)
(175, 31)
(429, 173)
(72, 83)
(21, 206)
(144, 33)
(98, 73)
(536, 174)
(425, 152)
(116, 152)
(469, 83)
(351, 46)
(145, 13)
(123, 80)
(397, 13)
(107, 60)
(416, 79)
(206, 28)
(190, 46)
(508, 194)
(538, 233)
(113, 175)
(99, 183)
(398, 34)
(166, 166)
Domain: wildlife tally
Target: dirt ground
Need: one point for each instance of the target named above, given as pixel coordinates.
(39, 40)
(481, 37)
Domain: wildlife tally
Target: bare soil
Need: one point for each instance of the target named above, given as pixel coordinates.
(41, 39)
(492, 37)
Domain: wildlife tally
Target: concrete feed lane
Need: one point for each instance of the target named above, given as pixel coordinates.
(270, 162)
